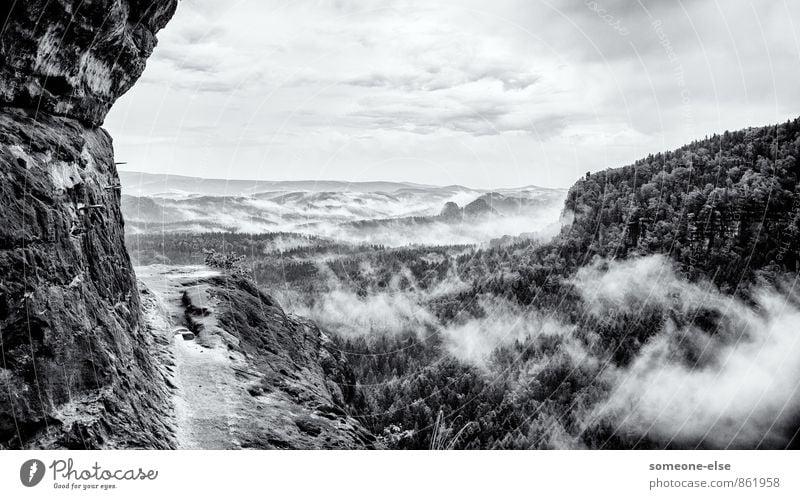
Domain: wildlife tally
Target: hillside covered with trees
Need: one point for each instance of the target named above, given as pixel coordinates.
(727, 206)
(671, 262)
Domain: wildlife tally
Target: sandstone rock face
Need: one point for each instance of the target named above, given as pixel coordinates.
(74, 58)
(451, 211)
(76, 367)
(80, 364)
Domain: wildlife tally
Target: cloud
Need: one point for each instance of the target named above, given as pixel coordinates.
(503, 323)
(477, 109)
(433, 78)
(396, 309)
(401, 308)
(526, 90)
(391, 219)
(736, 385)
(630, 284)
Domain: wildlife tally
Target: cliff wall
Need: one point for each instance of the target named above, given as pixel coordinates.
(75, 369)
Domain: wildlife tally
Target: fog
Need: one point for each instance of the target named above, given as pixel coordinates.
(342, 309)
(401, 309)
(712, 370)
(736, 386)
(407, 216)
(538, 225)
(474, 340)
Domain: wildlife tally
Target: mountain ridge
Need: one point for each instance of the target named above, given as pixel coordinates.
(148, 184)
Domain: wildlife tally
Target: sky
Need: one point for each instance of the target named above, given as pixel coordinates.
(492, 93)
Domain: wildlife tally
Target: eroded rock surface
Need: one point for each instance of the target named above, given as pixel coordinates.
(80, 365)
(76, 369)
(74, 58)
(244, 374)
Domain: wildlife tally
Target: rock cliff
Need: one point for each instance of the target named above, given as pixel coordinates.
(77, 369)
(75, 58)
(83, 364)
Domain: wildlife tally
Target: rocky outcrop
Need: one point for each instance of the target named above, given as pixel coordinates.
(76, 366)
(451, 211)
(74, 58)
(77, 369)
(477, 208)
(244, 373)
(81, 366)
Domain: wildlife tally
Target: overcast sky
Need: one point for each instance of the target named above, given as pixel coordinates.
(485, 93)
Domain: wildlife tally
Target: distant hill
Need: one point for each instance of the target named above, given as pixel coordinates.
(513, 203)
(165, 185)
(380, 212)
(149, 184)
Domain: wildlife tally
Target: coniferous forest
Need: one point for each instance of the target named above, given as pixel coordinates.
(662, 272)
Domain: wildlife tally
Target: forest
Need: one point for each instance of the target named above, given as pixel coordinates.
(677, 261)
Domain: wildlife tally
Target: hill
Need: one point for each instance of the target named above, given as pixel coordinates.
(153, 184)
(726, 207)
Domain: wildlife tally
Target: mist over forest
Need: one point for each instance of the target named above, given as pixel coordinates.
(389, 214)
(650, 306)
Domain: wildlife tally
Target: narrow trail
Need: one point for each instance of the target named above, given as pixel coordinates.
(241, 381)
(202, 408)
(205, 384)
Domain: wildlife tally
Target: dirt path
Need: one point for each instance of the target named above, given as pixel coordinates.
(228, 390)
(202, 405)
(205, 384)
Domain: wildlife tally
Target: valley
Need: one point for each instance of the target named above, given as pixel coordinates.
(624, 328)
(652, 303)
(389, 214)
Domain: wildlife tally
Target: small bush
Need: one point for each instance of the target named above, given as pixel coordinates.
(229, 262)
